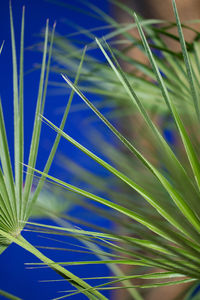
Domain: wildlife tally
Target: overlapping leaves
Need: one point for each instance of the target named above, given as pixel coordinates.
(170, 239)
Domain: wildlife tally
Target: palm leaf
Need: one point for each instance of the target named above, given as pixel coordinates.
(174, 246)
(16, 201)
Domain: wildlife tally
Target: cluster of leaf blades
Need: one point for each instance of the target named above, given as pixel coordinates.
(101, 80)
(168, 240)
(18, 195)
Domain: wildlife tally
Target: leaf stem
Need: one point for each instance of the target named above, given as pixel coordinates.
(77, 282)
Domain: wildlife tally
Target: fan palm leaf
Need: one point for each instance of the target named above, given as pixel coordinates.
(170, 239)
(16, 196)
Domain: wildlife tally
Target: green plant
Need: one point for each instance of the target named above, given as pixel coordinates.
(165, 233)
(17, 198)
(155, 206)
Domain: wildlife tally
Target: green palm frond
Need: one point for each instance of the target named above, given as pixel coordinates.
(17, 197)
(153, 203)
(169, 238)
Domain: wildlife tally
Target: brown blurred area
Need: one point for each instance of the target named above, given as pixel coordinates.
(158, 9)
(162, 9)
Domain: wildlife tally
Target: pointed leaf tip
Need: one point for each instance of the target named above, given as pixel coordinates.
(54, 25)
(1, 48)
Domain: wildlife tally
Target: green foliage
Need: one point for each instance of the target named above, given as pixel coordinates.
(17, 202)
(164, 219)
(152, 192)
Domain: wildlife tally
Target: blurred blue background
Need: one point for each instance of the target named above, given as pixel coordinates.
(14, 277)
